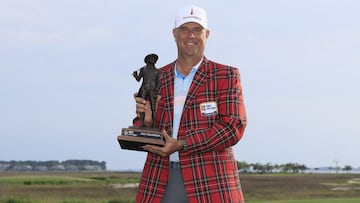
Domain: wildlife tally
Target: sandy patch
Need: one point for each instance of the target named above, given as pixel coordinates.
(124, 185)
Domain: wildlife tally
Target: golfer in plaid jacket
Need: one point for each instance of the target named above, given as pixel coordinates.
(213, 120)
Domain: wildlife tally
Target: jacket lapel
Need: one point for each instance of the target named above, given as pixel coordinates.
(200, 77)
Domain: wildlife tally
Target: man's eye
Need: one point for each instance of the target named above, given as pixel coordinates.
(184, 29)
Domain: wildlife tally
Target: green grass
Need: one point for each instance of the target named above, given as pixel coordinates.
(22, 200)
(65, 179)
(43, 180)
(65, 187)
(337, 200)
(101, 187)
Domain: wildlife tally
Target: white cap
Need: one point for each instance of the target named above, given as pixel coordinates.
(191, 14)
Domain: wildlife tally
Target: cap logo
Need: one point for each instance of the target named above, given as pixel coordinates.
(191, 14)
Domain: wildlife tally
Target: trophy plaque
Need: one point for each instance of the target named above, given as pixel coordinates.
(135, 137)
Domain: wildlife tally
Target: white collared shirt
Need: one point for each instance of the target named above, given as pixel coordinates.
(181, 88)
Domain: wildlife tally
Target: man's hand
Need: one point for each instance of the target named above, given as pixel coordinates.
(143, 106)
(171, 145)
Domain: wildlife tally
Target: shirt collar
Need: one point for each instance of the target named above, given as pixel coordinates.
(193, 70)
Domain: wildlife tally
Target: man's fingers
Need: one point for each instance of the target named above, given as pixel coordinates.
(154, 149)
(140, 100)
(158, 98)
(165, 135)
(141, 105)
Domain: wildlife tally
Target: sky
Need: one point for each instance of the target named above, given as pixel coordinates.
(67, 91)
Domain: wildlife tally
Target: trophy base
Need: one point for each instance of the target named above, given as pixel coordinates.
(134, 138)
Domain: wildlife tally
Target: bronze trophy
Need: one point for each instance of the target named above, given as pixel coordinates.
(135, 137)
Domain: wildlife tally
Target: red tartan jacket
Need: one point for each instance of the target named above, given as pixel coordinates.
(208, 164)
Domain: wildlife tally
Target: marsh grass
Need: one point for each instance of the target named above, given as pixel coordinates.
(91, 187)
(43, 180)
(300, 187)
(22, 200)
(337, 200)
(65, 187)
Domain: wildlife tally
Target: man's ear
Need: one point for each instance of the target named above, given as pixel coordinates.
(174, 33)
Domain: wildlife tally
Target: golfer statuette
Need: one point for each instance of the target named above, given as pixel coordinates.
(134, 137)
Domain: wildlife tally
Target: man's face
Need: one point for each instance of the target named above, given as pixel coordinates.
(190, 39)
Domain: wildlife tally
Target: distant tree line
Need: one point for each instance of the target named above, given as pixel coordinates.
(245, 167)
(346, 168)
(270, 168)
(68, 165)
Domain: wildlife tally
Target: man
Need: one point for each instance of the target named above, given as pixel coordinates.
(201, 112)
